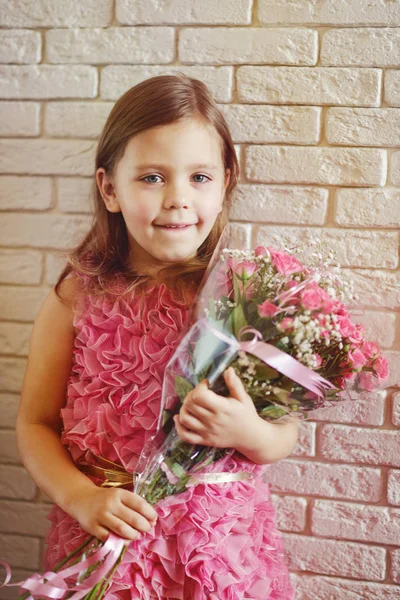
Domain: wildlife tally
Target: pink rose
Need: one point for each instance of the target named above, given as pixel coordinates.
(318, 359)
(370, 349)
(313, 297)
(285, 263)
(287, 323)
(245, 269)
(381, 367)
(261, 251)
(366, 381)
(267, 309)
(357, 358)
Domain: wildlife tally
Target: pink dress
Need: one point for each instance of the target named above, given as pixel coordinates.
(211, 542)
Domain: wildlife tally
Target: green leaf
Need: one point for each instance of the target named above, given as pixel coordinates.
(264, 372)
(182, 387)
(237, 320)
(236, 289)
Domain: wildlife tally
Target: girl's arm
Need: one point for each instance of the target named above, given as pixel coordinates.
(271, 442)
(43, 395)
(48, 461)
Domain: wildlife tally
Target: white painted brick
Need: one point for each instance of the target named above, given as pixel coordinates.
(20, 266)
(306, 441)
(380, 289)
(47, 157)
(395, 168)
(8, 445)
(23, 517)
(329, 12)
(394, 368)
(14, 338)
(290, 512)
(322, 165)
(19, 303)
(44, 231)
(117, 79)
(76, 119)
(354, 248)
(9, 407)
(358, 522)
(54, 266)
(331, 557)
(20, 46)
(25, 193)
(273, 124)
(19, 119)
(180, 12)
(48, 81)
(395, 568)
(74, 194)
(359, 410)
(363, 445)
(309, 85)
(379, 327)
(321, 479)
(52, 13)
(112, 45)
(363, 126)
(335, 588)
(368, 207)
(396, 410)
(16, 483)
(20, 551)
(241, 236)
(226, 45)
(366, 47)
(392, 87)
(280, 204)
(394, 486)
(11, 376)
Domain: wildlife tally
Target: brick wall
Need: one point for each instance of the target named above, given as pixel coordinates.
(311, 91)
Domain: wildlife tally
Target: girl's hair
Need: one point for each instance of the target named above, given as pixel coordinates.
(104, 252)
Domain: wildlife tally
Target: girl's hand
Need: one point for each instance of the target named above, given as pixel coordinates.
(101, 510)
(212, 420)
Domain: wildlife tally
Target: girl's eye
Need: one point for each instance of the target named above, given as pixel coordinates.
(198, 175)
(148, 176)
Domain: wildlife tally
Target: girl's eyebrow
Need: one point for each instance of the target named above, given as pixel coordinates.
(210, 167)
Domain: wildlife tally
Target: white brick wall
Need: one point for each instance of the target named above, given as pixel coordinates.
(311, 91)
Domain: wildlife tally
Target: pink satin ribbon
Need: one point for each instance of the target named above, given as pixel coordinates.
(272, 356)
(56, 585)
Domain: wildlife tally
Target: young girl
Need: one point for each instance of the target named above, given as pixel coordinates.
(166, 170)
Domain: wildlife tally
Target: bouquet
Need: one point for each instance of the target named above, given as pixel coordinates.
(280, 318)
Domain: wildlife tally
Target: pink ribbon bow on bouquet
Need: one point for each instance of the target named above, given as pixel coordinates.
(279, 360)
(53, 585)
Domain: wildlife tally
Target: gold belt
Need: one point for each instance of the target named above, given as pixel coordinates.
(114, 475)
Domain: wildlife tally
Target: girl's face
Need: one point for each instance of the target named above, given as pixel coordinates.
(169, 186)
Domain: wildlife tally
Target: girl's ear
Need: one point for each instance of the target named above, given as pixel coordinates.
(227, 177)
(107, 191)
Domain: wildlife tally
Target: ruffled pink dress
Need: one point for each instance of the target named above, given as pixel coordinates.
(212, 542)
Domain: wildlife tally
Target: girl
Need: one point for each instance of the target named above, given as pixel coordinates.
(166, 169)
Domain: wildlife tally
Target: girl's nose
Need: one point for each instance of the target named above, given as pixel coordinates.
(176, 196)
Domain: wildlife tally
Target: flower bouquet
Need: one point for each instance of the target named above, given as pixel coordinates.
(280, 318)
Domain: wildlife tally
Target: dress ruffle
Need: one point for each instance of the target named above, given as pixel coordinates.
(211, 542)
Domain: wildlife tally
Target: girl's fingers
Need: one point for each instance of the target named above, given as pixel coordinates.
(133, 518)
(121, 528)
(136, 503)
(191, 420)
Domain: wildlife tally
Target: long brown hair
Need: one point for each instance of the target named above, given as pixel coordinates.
(104, 252)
